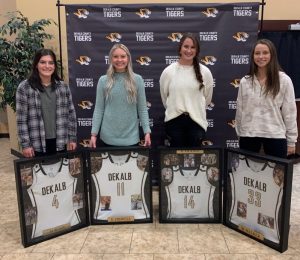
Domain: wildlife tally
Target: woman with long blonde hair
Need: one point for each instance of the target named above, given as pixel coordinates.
(120, 103)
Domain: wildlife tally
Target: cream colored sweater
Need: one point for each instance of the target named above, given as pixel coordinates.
(261, 116)
(180, 92)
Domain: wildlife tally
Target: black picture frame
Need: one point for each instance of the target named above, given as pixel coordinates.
(257, 196)
(52, 196)
(190, 185)
(120, 185)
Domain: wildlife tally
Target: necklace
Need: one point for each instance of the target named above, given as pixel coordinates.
(46, 84)
(262, 81)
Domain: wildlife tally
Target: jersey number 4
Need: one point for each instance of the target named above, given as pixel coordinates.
(55, 202)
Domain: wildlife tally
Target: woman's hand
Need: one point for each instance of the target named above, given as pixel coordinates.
(147, 141)
(72, 146)
(93, 141)
(28, 152)
(291, 150)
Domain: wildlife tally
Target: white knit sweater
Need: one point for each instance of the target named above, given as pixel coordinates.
(180, 92)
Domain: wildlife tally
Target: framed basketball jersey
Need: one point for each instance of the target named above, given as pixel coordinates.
(190, 185)
(120, 185)
(52, 196)
(257, 195)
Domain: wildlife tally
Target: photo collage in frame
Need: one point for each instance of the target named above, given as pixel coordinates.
(190, 185)
(257, 197)
(53, 191)
(120, 186)
(51, 196)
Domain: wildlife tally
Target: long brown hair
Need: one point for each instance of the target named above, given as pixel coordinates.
(196, 58)
(272, 86)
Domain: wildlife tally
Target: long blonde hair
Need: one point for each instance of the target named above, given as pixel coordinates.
(130, 85)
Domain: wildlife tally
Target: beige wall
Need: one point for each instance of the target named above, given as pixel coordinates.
(37, 9)
(5, 6)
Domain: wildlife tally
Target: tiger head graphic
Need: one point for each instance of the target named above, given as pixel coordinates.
(144, 60)
(232, 123)
(114, 37)
(144, 13)
(85, 142)
(175, 36)
(207, 142)
(241, 36)
(235, 83)
(85, 104)
(210, 106)
(209, 60)
(211, 12)
(83, 60)
(82, 13)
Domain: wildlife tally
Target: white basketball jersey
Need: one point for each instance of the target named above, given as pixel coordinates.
(190, 195)
(256, 198)
(120, 180)
(51, 193)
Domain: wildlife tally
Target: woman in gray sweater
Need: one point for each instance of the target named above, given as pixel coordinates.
(266, 112)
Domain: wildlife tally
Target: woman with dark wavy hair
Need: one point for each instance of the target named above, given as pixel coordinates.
(46, 119)
(266, 114)
(186, 88)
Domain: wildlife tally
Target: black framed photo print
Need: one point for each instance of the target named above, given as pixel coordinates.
(257, 196)
(52, 196)
(190, 185)
(120, 185)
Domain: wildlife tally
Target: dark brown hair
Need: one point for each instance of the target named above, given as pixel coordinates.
(34, 77)
(196, 58)
(272, 82)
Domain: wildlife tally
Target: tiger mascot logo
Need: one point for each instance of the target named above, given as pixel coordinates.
(207, 142)
(85, 104)
(82, 13)
(211, 12)
(84, 60)
(85, 142)
(209, 60)
(235, 83)
(144, 13)
(175, 36)
(210, 106)
(241, 36)
(232, 123)
(114, 37)
(144, 60)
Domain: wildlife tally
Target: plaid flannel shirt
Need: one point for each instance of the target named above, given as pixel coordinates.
(30, 124)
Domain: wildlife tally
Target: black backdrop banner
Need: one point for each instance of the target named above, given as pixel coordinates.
(288, 49)
(152, 32)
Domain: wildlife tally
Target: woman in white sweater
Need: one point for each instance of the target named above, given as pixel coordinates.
(186, 89)
(266, 112)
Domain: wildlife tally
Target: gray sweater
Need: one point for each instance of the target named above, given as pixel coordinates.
(258, 115)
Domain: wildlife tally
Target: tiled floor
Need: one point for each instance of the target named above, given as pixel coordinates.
(142, 241)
